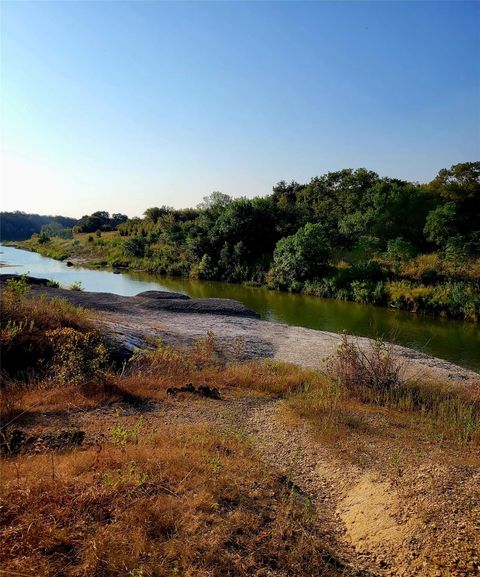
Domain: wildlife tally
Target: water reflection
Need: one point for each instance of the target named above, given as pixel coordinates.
(452, 340)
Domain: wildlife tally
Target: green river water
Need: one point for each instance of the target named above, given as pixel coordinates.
(455, 341)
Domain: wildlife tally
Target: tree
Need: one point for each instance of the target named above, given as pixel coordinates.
(216, 201)
(458, 183)
(459, 188)
(441, 223)
(155, 213)
(301, 256)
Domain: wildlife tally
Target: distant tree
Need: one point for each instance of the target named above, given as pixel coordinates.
(286, 194)
(20, 225)
(54, 228)
(155, 213)
(399, 250)
(118, 219)
(441, 223)
(43, 238)
(135, 247)
(301, 256)
(215, 201)
(458, 183)
(458, 189)
(100, 220)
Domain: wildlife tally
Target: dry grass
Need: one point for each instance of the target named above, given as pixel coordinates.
(174, 501)
(377, 377)
(25, 323)
(195, 500)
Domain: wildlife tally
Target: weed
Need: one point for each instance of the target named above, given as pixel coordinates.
(367, 374)
(18, 287)
(122, 435)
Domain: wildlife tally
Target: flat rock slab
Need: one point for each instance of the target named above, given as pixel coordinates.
(142, 320)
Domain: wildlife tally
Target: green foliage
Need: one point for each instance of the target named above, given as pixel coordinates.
(441, 223)
(18, 287)
(77, 357)
(43, 238)
(100, 220)
(56, 229)
(135, 246)
(20, 225)
(456, 300)
(346, 234)
(301, 256)
(399, 250)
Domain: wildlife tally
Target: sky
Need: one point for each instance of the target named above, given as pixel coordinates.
(120, 106)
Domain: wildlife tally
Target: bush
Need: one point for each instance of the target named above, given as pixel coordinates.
(458, 300)
(77, 357)
(368, 374)
(24, 324)
(135, 247)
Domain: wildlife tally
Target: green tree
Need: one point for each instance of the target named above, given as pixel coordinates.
(301, 256)
(441, 223)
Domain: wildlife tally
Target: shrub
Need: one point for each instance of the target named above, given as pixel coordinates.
(77, 357)
(24, 323)
(368, 374)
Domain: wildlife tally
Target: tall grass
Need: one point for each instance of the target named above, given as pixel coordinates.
(25, 323)
(376, 376)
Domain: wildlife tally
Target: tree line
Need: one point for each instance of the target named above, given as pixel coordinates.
(21, 225)
(349, 234)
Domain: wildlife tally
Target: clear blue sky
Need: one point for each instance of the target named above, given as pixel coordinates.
(120, 106)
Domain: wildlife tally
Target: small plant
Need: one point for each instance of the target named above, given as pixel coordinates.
(76, 286)
(53, 283)
(368, 374)
(18, 287)
(396, 459)
(122, 435)
(128, 475)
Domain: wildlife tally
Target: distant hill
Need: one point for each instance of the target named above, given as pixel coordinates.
(20, 225)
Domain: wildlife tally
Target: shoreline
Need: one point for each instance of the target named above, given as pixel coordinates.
(89, 264)
(138, 321)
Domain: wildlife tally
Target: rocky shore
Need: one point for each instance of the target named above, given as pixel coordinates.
(174, 318)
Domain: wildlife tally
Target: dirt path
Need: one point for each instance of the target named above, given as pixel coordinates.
(358, 509)
(380, 527)
(375, 526)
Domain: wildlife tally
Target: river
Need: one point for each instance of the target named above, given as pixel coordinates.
(455, 341)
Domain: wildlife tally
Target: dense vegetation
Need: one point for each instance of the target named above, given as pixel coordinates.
(20, 225)
(349, 235)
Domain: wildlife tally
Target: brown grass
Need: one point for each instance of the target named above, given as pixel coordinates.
(194, 500)
(376, 377)
(175, 501)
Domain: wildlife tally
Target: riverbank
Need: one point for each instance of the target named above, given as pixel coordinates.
(425, 284)
(209, 457)
(139, 321)
(452, 340)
